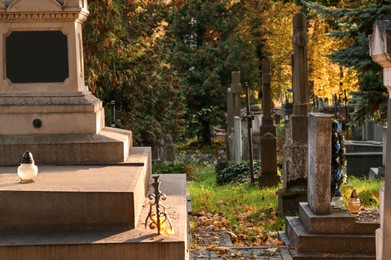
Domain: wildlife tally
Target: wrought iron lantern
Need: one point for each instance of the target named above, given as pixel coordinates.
(159, 219)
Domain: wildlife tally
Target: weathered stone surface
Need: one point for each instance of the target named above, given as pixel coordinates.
(268, 133)
(319, 163)
(299, 129)
(295, 171)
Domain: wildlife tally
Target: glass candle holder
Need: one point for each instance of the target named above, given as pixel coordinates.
(354, 202)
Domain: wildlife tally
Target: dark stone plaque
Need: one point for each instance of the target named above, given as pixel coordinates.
(36, 57)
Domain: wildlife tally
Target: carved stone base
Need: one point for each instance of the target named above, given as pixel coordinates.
(51, 115)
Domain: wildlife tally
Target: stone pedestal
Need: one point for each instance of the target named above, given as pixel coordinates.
(319, 163)
(334, 236)
(237, 139)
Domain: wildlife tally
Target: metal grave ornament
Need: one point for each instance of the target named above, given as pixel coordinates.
(159, 219)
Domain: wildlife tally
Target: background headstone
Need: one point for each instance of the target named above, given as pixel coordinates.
(269, 175)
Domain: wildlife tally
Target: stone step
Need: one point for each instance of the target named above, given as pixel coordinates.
(111, 145)
(137, 243)
(304, 242)
(331, 256)
(338, 222)
(76, 197)
(315, 256)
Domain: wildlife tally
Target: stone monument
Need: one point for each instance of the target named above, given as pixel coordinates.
(87, 201)
(295, 148)
(44, 104)
(321, 232)
(269, 175)
(380, 51)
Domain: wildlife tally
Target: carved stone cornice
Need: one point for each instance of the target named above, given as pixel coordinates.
(20, 101)
(46, 17)
(43, 11)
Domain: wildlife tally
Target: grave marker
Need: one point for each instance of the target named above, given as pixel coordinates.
(295, 149)
(319, 163)
(269, 175)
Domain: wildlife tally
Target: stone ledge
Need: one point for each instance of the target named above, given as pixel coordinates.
(338, 222)
(76, 197)
(138, 243)
(307, 243)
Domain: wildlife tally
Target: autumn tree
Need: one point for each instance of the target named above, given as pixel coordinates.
(206, 50)
(352, 25)
(125, 47)
(329, 78)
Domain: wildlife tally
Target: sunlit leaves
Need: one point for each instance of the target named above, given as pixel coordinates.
(125, 57)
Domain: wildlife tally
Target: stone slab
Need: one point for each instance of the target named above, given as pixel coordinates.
(331, 257)
(111, 145)
(288, 201)
(137, 243)
(337, 222)
(76, 197)
(305, 242)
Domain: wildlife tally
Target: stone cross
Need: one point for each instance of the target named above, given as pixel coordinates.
(269, 175)
(236, 88)
(300, 79)
(295, 148)
(380, 51)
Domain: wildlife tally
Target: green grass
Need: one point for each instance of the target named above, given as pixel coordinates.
(252, 212)
(232, 199)
(368, 190)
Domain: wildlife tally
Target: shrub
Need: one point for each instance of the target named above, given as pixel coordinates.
(171, 167)
(237, 172)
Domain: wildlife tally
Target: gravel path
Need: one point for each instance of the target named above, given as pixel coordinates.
(267, 253)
